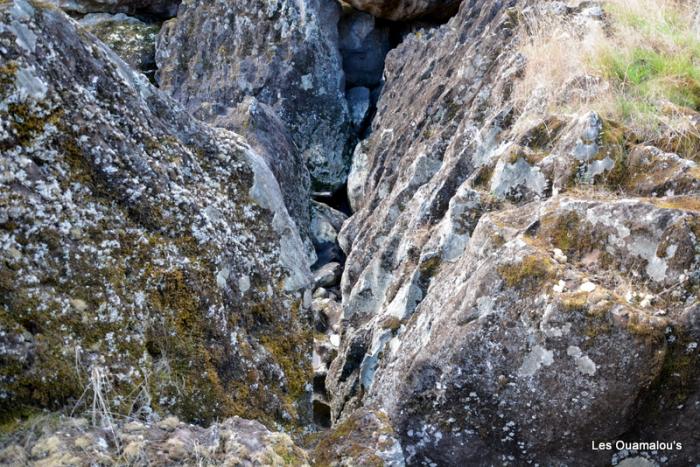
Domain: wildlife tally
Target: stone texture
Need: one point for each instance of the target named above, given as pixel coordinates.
(363, 44)
(145, 256)
(503, 266)
(283, 53)
(161, 8)
(366, 438)
(404, 10)
(133, 40)
(73, 441)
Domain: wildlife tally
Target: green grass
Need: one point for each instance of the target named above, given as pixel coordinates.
(655, 62)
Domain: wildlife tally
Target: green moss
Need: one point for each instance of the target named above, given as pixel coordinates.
(391, 322)
(529, 273)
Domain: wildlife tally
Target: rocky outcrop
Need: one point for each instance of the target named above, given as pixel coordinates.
(160, 8)
(366, 438)
(147, 260)
(404, 10)
(503, 265)
(283, 53)
(74, 441)
(130, 38)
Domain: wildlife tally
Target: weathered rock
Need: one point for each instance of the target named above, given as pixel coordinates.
(403, 10)
(133, 40)
(363, 45)
(161, 8)
(366, 438)
(145, 257)
(358, 103)
(266, 133)
(328, 275)
(326, 222)
(503, 336)
(72, 441)
(283, 53)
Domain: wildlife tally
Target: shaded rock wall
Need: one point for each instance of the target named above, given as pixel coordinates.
(137, 243)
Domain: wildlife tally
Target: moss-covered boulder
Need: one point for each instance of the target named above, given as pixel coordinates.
(132, 39)
(146, 259)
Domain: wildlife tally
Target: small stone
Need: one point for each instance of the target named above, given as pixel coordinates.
(78, 304)
(559, 256)
(328, 275)
(14, 253)
(321, 293)
(335, 340)
(587, 287)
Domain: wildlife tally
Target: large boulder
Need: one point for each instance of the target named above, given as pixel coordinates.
(405, 10)
(491, 316)
(217, 53)
(147, 260)
(132, 39)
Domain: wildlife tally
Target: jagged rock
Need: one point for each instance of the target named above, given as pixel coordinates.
(160, 8)
(145, 256)
(326, 222)
(403, 10)
(510, 364)
(363, 44)
(73, 441)
(366, 438)
(132, 39)
(215, 53)
(358, 103)
(328, 275)
(267, 134)
(483, 344)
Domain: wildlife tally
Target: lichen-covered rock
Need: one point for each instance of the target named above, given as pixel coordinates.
(216, 53)
(504, 266)
(51, 440)
(145, 257)
(132, 39)
(518, 345)
(161, 8)
(404, 10)
(366, 438)
(266, 133)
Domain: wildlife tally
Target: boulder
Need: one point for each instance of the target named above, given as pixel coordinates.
(216, 53)
(130, 38)
(503, 265)
(147, 260)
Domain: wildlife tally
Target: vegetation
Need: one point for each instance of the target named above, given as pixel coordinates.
(640, 66)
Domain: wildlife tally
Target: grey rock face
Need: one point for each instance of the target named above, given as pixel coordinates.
(363, 45)
(133, 40)
(266, 133)
(490, 313)
(403, 10)
(162, 8)
(140, 248)
(358, 102)
(283, 53)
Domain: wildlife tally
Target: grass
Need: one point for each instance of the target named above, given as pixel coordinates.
(641, 68)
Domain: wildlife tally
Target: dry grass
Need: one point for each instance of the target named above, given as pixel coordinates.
(640, 66)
